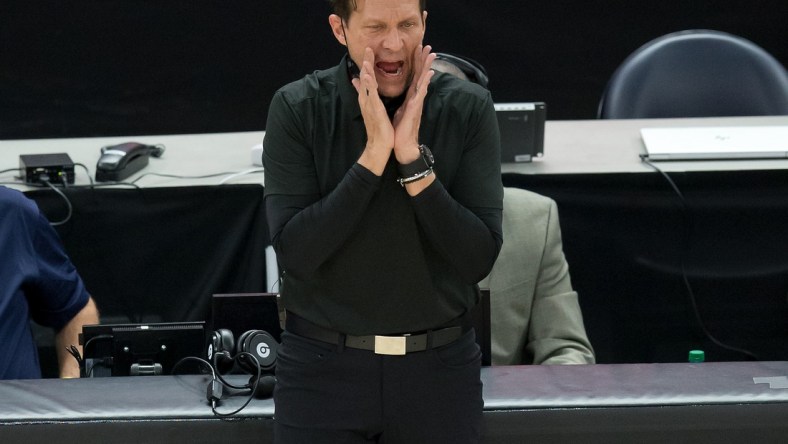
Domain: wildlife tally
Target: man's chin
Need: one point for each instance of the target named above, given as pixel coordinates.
(391, 90)
(391, 93)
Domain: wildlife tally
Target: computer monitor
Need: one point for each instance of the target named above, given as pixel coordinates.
(521, 126)
(142, 349)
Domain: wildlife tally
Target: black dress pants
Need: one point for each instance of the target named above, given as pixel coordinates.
(331, 394)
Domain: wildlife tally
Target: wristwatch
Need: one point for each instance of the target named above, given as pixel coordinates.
(418, 166)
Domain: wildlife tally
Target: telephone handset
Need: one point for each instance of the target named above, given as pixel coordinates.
(118, 162)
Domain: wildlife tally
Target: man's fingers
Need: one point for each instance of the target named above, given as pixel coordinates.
(423, 83)
(423, 69)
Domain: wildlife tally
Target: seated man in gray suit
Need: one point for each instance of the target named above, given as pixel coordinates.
(535, 316)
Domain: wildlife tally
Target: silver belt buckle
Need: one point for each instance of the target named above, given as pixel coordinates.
(390, 345)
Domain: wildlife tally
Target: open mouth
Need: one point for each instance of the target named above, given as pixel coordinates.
(390, 68)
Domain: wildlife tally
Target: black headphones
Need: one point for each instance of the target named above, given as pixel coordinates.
(255, 354)
(472, 69)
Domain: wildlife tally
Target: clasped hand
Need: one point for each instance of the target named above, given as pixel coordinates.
(400, 134)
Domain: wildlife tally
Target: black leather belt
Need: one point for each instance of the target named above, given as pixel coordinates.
(382, 345)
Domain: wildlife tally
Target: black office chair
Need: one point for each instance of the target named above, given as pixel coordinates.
(462, 67)
(696, 73)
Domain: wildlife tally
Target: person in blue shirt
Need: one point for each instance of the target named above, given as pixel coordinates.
(38, 281)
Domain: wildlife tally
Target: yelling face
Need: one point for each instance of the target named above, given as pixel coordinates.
(392, 29)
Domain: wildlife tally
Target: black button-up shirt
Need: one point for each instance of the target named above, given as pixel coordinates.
(359, 254)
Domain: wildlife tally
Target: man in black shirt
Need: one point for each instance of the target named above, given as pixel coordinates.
(383, 196)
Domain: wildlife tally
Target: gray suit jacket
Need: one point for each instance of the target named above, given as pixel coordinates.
(535, 314)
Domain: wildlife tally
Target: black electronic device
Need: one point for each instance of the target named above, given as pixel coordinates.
(254, 354)
(141, 349)
(247, 329)
(56, 168)
(117, 162)
(242, 312)
(522, 130)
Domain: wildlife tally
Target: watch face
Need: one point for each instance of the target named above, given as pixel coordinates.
(427, 154)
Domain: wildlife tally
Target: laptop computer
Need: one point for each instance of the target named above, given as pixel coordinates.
(716, 143)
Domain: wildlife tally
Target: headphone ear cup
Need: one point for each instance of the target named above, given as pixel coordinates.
(262, 346)
(472, 69)
(265, 386)
(220, 350)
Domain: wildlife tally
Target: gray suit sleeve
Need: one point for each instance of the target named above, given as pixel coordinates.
(556, 333)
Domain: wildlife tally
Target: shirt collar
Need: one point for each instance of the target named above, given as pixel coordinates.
(346, 89)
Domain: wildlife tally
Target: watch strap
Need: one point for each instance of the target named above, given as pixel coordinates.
(418, 166)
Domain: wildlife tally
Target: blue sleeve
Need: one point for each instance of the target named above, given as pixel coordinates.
(55, 291)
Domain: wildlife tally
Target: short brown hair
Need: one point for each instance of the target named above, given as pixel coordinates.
(343, 8)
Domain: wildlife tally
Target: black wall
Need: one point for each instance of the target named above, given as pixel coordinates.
(123, 67)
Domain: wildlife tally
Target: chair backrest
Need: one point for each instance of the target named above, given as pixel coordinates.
(462, 67)
(696, 73)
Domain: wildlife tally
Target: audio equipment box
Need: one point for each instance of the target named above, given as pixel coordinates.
(56, 168)
(522, 130)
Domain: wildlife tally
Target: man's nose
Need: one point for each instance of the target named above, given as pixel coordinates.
(393, 39)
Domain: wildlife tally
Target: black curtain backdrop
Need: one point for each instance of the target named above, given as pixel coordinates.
(626, 237)
(159, 254)
(125, 67)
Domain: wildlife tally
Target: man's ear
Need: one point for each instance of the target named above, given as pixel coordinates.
(337, 28)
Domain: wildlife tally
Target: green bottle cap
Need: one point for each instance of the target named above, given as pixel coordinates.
(697, 356)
